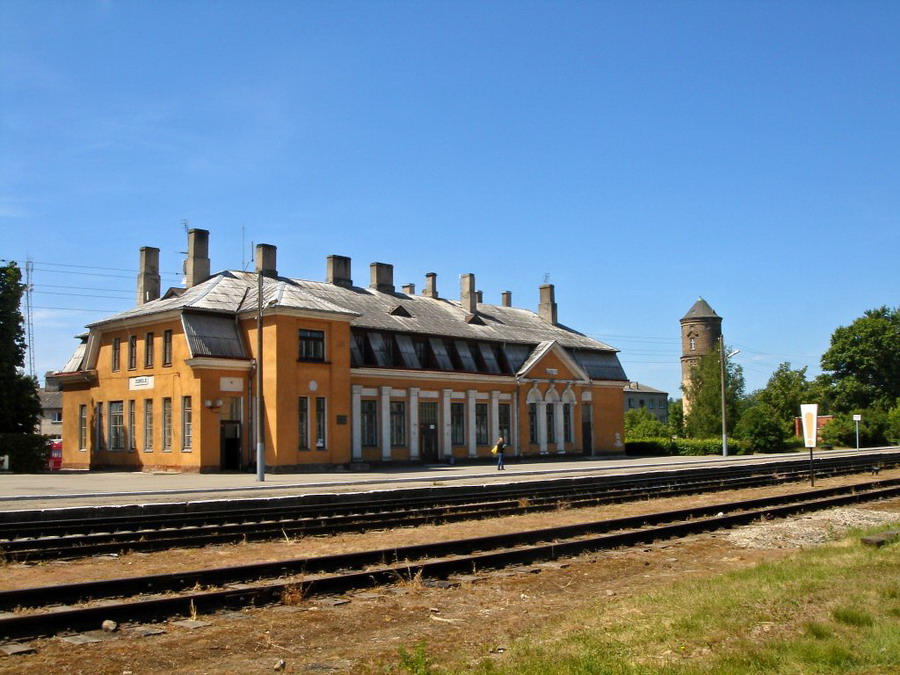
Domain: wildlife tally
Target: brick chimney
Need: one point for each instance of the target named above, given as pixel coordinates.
(430, 285)
(381, 277)
(265, 260)
(197, 266)
(547, 308)
(467, 296)
(148, 276)
(338, 271)
(506, 298)
(409, 289)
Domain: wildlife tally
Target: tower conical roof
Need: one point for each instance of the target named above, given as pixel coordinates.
(700, 310)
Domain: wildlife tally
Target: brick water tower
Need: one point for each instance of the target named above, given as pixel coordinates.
(701, 331)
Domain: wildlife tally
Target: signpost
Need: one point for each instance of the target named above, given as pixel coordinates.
(809, 414)
(857, 418)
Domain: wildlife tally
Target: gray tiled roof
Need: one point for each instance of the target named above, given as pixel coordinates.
(700, 310)
(234, 291)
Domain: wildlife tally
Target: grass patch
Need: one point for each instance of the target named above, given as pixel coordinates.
(832, 609)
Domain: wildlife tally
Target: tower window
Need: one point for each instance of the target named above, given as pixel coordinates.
(693, 344)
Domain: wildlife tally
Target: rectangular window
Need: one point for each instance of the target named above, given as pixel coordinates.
(167, 348)
(457, 423)
(148, 425)
(187, 424)
(56, 416)
(320, 423)
(551, 423)
(303, 423)
(167, 424)
(148, 350)
(82, 427)
(132, 352)
(567, 422)
(312, 345)
(370, 423)
(532, 423)
(481, 423)
(503, 412)
(398, 423)
(116, 425)
(130, 430)
(116, 353)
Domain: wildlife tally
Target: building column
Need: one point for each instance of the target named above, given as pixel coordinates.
(541, 407)
(470, 422)
(356, 423)
(558, 423)
(385, 423)
(495, 418)
(413, 423)
(446, 448)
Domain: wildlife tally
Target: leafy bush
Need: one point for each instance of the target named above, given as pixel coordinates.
(27, 452)
(841, 431)
(688, 447)
(761, 429)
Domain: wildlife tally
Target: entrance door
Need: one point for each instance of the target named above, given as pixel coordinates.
(230, 445)
(587, 439)
(428, 431)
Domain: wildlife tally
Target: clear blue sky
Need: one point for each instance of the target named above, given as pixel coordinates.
(637, 154)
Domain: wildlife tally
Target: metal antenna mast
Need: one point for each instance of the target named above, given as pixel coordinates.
(29, 315)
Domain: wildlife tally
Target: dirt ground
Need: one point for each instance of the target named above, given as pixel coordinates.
(363, 631)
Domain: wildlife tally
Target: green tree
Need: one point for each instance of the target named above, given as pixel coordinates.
(20, 407)
(841, 430)
(676, 417)
(893, 424)
(641, 423)
(762, 428)
(864, 361)
(785, 391)
(704, 391)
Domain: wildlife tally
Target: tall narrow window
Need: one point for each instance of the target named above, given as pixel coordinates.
(551, 423)
(369, 423)
(167, 424)
(532, 423)
(303, 423)
(129, 432)
(187, 424)
(503, 412)
(82, 427)
(167, 348)
(481, 423)
(320, 423)
(457, 423)
(148, 425)
(567, 422)
(148, 350)
(693, 344)
(132, 352)
(116, 353)
(101, 430)
(312, 345)
(116, 425)
(398, 423)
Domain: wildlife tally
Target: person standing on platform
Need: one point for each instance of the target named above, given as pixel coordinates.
(501, 448)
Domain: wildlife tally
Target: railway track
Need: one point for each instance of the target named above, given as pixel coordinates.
(65, 538)
(46, 610)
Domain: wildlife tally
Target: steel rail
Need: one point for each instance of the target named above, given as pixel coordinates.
(328, 574)
(67, 546)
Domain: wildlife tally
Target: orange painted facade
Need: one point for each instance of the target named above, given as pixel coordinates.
(172, 384)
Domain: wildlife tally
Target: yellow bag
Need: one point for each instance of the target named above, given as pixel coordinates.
(494, 450)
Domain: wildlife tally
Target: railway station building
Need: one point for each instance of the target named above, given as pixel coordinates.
(351, 375)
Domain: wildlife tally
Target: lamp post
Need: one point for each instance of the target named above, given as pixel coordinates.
(260, 437)
(722, 358)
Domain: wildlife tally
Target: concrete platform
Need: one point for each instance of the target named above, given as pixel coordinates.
(86, 488)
